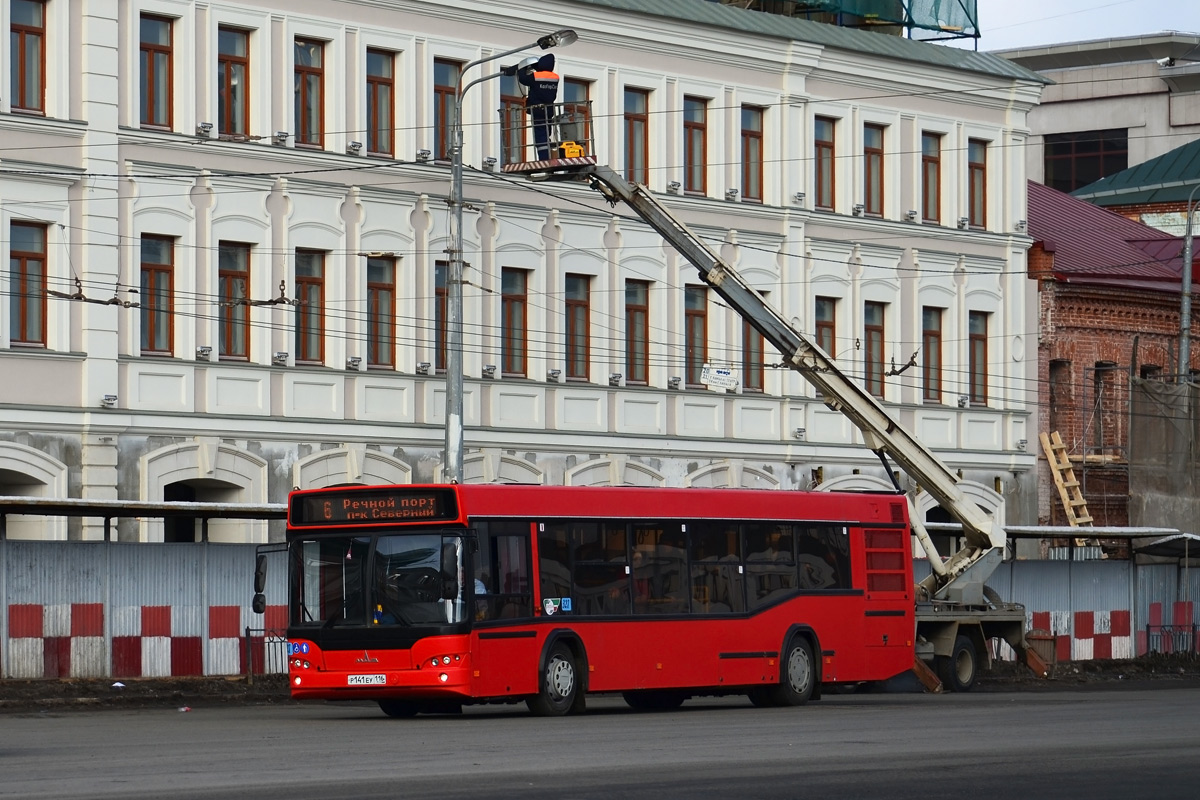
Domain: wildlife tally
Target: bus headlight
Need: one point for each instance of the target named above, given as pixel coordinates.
(443, 677)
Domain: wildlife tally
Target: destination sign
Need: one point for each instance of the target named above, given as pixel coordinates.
(372, 507)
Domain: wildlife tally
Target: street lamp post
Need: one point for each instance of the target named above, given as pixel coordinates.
(453, 458)
(1185, 300)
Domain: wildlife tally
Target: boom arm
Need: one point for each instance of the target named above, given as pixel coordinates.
(882, 434)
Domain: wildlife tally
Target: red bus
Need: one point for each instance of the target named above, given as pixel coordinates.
(425, 598)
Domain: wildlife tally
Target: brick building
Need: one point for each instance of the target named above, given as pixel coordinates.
(1109, 304)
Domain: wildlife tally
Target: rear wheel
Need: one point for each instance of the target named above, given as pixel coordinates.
(558, 685)
(959, 670)
(399, 708)
(797, 675)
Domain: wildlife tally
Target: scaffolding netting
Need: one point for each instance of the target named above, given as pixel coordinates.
(1164, 471)
(921, 19)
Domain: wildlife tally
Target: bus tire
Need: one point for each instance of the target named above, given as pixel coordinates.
(649, 700)
(797, 674)
(400, 709)
(959, 671)
(557, 686)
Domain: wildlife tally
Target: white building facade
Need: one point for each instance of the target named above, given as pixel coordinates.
(253, 170)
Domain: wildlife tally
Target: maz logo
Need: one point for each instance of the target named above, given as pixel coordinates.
(366, 659)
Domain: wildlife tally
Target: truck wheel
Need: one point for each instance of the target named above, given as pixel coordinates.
(399, 708)
(797, 675)
(557, 686)
(958, 672)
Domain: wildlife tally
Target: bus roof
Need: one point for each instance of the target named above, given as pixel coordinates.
(599, 502)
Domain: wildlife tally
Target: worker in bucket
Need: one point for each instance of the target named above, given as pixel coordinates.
(541, 82)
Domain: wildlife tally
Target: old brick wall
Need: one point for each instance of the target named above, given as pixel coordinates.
(1090, 338)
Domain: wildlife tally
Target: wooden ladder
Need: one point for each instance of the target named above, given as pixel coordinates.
(1064, 479)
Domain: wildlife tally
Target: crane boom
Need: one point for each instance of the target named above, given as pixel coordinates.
(961, 576)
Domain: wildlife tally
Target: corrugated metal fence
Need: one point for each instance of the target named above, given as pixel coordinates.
(109, 609)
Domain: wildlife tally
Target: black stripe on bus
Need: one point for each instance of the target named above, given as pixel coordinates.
(767, 654)
(507, 634)
(899, 612)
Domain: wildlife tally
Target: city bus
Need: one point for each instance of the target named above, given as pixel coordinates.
(426, 598)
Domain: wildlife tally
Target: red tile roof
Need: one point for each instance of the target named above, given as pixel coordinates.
(1096, 246)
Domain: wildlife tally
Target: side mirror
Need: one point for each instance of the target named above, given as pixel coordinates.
(259, 604)
(449, 589)
(260, 574)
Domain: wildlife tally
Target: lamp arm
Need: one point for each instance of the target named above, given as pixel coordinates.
(462, 89)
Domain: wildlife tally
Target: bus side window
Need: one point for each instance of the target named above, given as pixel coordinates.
(770, 562)
(716, 574)
(823, 557)
(554, 565)
(598, 569)
(659, 568)
(502, 568)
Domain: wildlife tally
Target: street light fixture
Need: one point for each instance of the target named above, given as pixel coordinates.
(452, 466)
(1185, 296)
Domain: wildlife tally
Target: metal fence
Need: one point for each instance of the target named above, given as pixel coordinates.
(124, 609)
(1172, 640)
(266, 652)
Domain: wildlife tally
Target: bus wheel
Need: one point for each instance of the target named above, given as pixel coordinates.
(958, 672)
(558, 685)
(654, 700)
(797, 675)
(399, 708)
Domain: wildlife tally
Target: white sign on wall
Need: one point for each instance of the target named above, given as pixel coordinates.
(721, 377)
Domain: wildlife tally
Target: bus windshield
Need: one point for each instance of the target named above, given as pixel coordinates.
(403, 580)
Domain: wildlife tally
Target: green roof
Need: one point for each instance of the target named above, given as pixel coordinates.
(1168, 178)
(717, 15)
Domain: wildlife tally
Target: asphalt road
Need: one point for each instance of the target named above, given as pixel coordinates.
(1100, 744)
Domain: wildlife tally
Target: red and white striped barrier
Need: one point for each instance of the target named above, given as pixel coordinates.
(69, 640)
(1086, 635)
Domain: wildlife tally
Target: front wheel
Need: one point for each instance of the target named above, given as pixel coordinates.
(797, 675)
(558, 686)
(959, 670)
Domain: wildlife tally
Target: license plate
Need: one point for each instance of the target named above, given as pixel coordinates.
(366, 680)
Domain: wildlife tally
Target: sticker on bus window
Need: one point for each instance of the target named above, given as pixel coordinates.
(566, 604)
(551, 604)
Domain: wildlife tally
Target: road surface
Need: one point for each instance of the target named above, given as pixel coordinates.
(1071, 744)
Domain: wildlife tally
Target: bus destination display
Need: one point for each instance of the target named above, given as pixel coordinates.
(368, 508)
